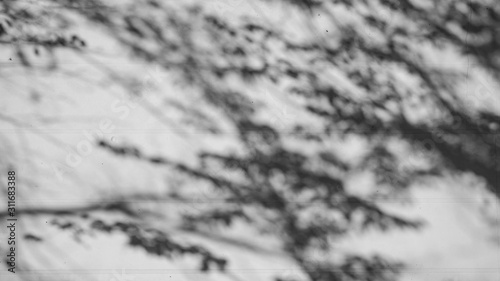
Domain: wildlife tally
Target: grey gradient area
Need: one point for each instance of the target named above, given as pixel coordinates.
(238, 140)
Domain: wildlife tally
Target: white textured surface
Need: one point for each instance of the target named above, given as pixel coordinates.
(56, 108)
